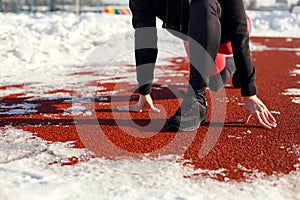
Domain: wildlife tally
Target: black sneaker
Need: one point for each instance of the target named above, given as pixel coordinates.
(189, 116)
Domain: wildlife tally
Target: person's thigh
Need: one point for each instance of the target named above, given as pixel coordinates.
(160, 7)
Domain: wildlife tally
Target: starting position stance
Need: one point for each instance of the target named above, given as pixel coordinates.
(206, 23)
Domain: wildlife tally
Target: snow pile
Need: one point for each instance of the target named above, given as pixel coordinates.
(26, 174)
(56, 38)
(275, 24)
(44, 50)
(67, 38)
(18, 109)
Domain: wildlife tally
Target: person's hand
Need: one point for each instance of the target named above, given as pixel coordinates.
(145, 103)
(255, 107)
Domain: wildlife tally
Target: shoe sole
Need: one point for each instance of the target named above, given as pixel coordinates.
(187, 129)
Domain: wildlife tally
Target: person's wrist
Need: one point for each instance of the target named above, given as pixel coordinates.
(249, 97)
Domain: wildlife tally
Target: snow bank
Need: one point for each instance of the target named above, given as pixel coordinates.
(67, 38)
(275, 24)
(26, 174)
(51, 45)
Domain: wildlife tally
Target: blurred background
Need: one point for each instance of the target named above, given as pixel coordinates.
(98, 5)
(57, 5)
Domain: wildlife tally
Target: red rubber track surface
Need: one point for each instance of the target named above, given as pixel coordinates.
(267, 151)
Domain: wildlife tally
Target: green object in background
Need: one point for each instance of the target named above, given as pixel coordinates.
(63, 3)
(17, 9)
(31, 5)
(97, 4)
(48, 5)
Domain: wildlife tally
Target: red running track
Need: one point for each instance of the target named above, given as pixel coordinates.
(240, 149)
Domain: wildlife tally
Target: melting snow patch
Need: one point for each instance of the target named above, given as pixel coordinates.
(78, 109)
(295, 72)
(49, 97)
(292, 91)
(18, 109)
(275, 112)
(296, 100)
(15, 145)
(85, 99)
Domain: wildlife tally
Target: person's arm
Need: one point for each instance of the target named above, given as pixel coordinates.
(144, 23)
(234, 12)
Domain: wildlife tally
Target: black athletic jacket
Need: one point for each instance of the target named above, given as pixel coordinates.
(175, 16)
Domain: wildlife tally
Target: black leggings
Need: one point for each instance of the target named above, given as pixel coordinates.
(205, 37)
(211, 23)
